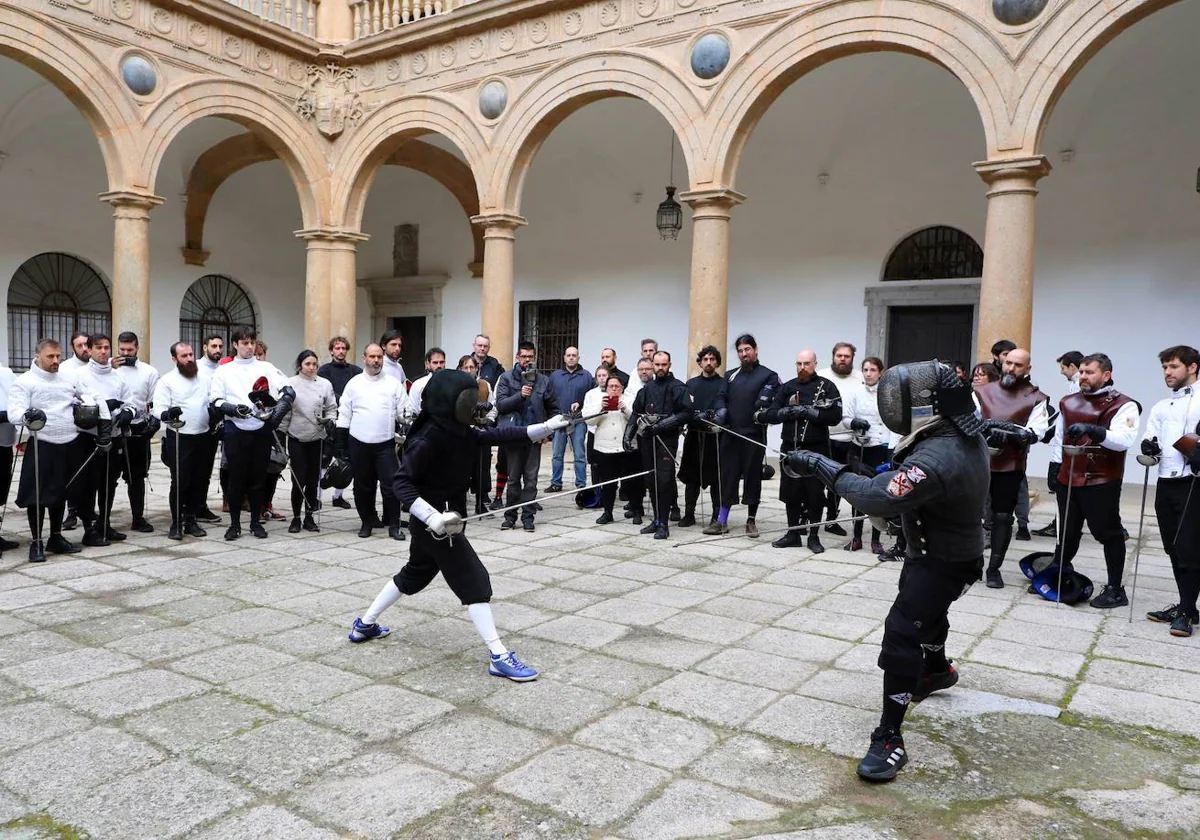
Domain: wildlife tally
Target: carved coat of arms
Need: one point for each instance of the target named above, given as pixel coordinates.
(331, 98)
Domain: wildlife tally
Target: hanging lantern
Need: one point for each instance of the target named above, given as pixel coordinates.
(670, 216)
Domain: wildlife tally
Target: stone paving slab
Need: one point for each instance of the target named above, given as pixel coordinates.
(724, 689)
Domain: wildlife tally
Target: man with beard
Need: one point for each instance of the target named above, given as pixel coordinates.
(489, 369)
(8, 442)
(1104, 422)
(523, 398)
(96, 486)
(1021, 410)
(181, 396)
(660, 410)
(391, 342)
(206, 456)
(848, 379)
(246, 434)
(141, 379)
(937, 489)
(698, 467)
(371, 406)
(44, 399)
(570, 384)
(743, 394)
(608, 358)
(339, 372)
(435, 360)
(633, 490)
(1170, 420)
(1068, 366)
(442, 449)
(79, 357)
(806, 406)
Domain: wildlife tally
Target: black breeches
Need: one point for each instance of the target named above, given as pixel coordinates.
(605, 467)
(208, 446)
(1179, 521)
(374, 464)
(134, 470)
(1004, 490)
(741, 461)
(1100, 506)
(658, 456)
(96, 486)
(305, 460)
(246, 454)
(453, 557)
(188, 483)
(918, 617)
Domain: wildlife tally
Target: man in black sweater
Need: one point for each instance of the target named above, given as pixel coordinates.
(698, 467)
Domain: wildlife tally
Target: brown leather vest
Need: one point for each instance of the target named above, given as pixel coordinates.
(1099, 465)
(1014, 405)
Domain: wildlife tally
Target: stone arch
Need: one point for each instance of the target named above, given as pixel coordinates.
(1069, 45)
(378, 137)
(821, 34)
(225, 159)
(569, 86)
(61, 59)
(276, 125)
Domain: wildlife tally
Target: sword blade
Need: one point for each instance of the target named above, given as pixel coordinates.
(720, 428)
(803, 527)
(556, 495)
(1137, 549)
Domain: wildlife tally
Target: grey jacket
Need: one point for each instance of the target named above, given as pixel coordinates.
(516, 410)
(938, 492)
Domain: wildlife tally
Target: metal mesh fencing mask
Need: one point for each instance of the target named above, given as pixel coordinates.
(913, 395)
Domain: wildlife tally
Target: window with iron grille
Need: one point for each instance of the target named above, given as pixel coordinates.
(54, 295)
(214, 305)
(552, 326)
(935, 253)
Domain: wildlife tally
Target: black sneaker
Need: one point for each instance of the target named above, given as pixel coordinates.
(233, 532)
(604, 518)
(527, 524)
(258, 530)
(636, 519)
(58, 544)
(1023, 533)
(174, 533)
(8, 545)
(1165, 616)
(70, 523)
(630, 513)
(36, 553)
(496, 504)
(662, 532)
(814, 543)
(994, 580)
(1110, 597)
(396, 533)
(790, 539)
(115, 535)
(554, 488)
(885, 756)
(142, 526)
(686, 521)
(294, 525)
(193, 530)
(835, 528)
(365, 531)
(310, 524)
(1050, 530)
(889, 555)
(341, 503)
(938, 681)
(1181, 626)
(649, 529)
(508, 524)
(94, 539)
(673, 515)
(207, 515)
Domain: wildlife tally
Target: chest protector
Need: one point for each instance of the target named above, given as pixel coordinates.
(1099, 465)
(1012, 404)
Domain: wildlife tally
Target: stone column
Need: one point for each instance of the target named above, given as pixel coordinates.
(708, 300)
(499, 239)
(1006, 292)
(330, 285)
(131, 263)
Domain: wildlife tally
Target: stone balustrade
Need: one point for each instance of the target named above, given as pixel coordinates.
(373, 16)
(296, 15)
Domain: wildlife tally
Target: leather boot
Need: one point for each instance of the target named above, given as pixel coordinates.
(1002, 531)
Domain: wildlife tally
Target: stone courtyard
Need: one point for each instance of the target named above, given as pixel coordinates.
(206, 690)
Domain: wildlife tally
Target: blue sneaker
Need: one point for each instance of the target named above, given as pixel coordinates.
(360, 632)
(507, 665)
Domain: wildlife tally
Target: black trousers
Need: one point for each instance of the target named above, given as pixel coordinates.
(305, 460)
(188, 481)
(206, 459)
(658, 456)
(1100, 506)
(839, 450)
(134, 470)
(96, 487)
(605, 467)
(7, 456)
(918, 618)
(741, 461)
(453, 557)
(246, 454)
(1179, 521)
(1004, 490)
(803, 497)
(872, 457)
(374, 464)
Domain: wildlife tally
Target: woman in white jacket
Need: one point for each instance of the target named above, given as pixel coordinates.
(608, 430)
(875, 440)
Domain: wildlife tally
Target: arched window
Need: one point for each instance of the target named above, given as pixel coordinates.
(935, 253)
(214, 305)
(54, 295)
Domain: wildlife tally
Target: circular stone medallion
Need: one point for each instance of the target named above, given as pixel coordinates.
(1017, 12)
(139, 75)
(493, 97)
(710, 55)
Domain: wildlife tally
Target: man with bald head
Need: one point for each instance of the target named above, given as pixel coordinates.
(806, 406)
(1021, 409)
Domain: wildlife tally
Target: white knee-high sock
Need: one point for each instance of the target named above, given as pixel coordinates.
(386, 597)
(481, 615)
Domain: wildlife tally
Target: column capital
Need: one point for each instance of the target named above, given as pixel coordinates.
(499, 224)
(194, 256)
(131, 198)
(1009, 175)
(330, 235)
(718, 198)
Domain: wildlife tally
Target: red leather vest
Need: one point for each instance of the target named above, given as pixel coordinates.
(1100, 465)
(1014, 405)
